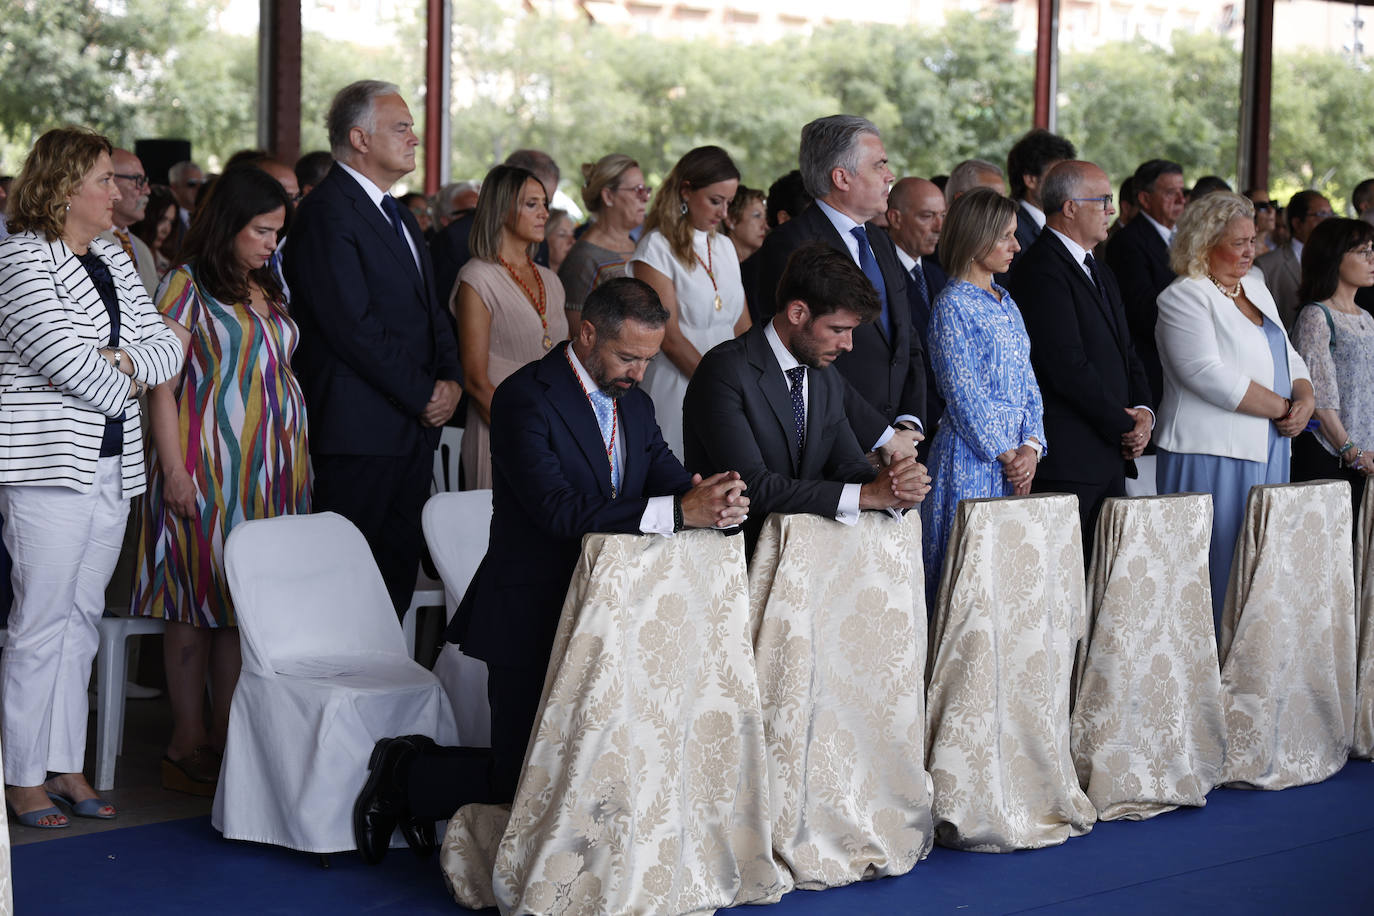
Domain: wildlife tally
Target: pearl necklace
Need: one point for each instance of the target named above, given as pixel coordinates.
(1233, 294)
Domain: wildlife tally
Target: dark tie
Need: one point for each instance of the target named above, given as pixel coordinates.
(1092, 272)
(795, 375)
(393, 214)
(869, 266)
(919, 275)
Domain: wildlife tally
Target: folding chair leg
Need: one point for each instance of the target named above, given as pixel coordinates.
(111, 664)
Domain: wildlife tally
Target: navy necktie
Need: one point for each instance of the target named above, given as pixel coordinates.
(393, 215)
(869, 266)
(1092, 272)
(795, 376)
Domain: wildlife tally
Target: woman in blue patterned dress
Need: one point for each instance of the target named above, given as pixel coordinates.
(992, 431)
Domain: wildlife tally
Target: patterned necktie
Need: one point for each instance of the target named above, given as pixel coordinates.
(1092, 272)
(123, 236)
(605, 418)
(919, 275)
(869, 266)
(795, 375)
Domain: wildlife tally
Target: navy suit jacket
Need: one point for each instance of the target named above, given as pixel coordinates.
(737, 415)
(1140, 259)
(1083, 359)
(373, 337)
(936, 278)
(551, 485)
(886, 376)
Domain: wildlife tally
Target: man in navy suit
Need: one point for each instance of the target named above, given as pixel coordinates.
(1098, 413)
(1139, 256)
(844, 167)
(377, 360)
(915, 216)
(1028, 161)
(559, 473)
(766, 404)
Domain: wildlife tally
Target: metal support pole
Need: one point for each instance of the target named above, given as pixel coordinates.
(438, 76)
(279, 79)
(1256, 69)
(1047, 65)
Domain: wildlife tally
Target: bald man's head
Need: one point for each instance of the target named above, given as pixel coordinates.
(915, 216)
(284, 174)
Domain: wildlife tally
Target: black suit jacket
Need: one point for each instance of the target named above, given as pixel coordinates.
(1140, 260)
(373, 337)
(551, 485)
(1083, 359)
(449, 252)
(887, 377)
(737, 416)
(936, 278)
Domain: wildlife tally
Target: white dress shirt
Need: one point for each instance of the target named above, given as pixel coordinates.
(658, 514)
(1166, 234)
(1036, 214)
(375, 194)
(848, 510)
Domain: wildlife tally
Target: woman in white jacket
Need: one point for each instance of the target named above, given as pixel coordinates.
(79, 343)
(1235, 390)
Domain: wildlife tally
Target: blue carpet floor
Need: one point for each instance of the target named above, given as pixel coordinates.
(1302, 851)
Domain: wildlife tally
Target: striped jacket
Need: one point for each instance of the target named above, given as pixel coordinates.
(55, 390)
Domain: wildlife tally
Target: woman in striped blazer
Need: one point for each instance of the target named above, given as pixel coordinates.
(79, 344)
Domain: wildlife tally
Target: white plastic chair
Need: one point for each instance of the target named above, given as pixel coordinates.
(112, 664)
(325, 675)
(457, 528)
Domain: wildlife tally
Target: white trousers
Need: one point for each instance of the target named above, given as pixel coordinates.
(64, 545)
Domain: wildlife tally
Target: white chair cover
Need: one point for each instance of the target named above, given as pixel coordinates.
(1148, 732)
(457, 529)
(645, 788)
(1009, 612)
(1364, 658)
(840, 659)
(1287, 644)
(325, 675)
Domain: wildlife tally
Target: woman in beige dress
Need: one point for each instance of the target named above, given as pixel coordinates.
(509, 309)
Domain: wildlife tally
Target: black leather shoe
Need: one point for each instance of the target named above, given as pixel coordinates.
(381, 803)
(419, 836)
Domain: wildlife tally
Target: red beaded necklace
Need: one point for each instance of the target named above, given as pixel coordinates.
(540, 302)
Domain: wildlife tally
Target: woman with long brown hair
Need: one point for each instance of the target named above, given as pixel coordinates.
(695, 271)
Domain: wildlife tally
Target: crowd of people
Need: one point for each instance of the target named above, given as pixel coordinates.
(699, 354)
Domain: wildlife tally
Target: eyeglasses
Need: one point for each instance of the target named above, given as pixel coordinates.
(1105, 200)
(1319, 215)
(138, 181)
(1262, 205)
(638, 190)
(1364, 251)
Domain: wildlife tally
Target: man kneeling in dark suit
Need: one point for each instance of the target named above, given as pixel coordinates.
(764, 405)
(575, 450)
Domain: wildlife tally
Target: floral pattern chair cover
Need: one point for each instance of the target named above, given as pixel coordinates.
(1287, 645)
(1009, 612)
(1364, 656)
(840, 643)
(1147, 730)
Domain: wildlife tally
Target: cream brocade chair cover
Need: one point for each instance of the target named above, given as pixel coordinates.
(1009, 612)
(645, 788)
(840, 623)
(1364, 657)
(1148, 731)
(1287, 643)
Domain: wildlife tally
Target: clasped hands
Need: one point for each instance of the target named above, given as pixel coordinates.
(442, 403)
(1295, 420)
(1018, 467)
(717, 501)
(1134, 440)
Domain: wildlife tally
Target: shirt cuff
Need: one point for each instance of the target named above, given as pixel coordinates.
(888, 433)
(848, 511)
(657, 517)
(1035, 444)
(1151, 411)
(920, 427)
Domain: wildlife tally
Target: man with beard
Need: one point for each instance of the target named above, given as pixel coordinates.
(763, 404)
(575, 450)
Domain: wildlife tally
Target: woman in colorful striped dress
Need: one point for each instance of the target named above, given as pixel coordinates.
(229, 444)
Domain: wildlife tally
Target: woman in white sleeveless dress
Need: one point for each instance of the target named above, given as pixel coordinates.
(695, 271)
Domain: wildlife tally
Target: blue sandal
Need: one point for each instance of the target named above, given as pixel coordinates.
(31, 818)
(88, 808)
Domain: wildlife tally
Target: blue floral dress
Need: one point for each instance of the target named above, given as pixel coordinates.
(981, 357)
